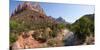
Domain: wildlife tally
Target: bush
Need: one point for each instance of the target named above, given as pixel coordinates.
(13, 25)
(61, 26)
(51, 42)
(13, 38)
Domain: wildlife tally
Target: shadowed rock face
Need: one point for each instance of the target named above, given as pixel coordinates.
(69, 39)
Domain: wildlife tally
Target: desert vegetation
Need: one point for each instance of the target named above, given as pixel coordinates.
(30, 27)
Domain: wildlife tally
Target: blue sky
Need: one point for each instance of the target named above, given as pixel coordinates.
(70, 12)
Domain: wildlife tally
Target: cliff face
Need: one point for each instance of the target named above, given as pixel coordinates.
(28, 6)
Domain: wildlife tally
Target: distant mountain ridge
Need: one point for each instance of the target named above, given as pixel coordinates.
(61, 20)
(88, 16)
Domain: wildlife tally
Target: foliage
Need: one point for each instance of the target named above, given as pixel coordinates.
(13, 38)
(51, 42)
(83, 27)
(61, 25)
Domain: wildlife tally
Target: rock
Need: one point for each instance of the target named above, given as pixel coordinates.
(25, 42)
(28, 6)
(69, 39)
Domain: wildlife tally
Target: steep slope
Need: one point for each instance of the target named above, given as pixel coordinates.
(84, 27)
(82, 31)
(30, 16)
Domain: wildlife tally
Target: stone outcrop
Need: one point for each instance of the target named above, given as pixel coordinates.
(25, 41)
(29, 6)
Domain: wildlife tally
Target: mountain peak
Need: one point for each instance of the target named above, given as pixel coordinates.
(35, 6)
(61, 20)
